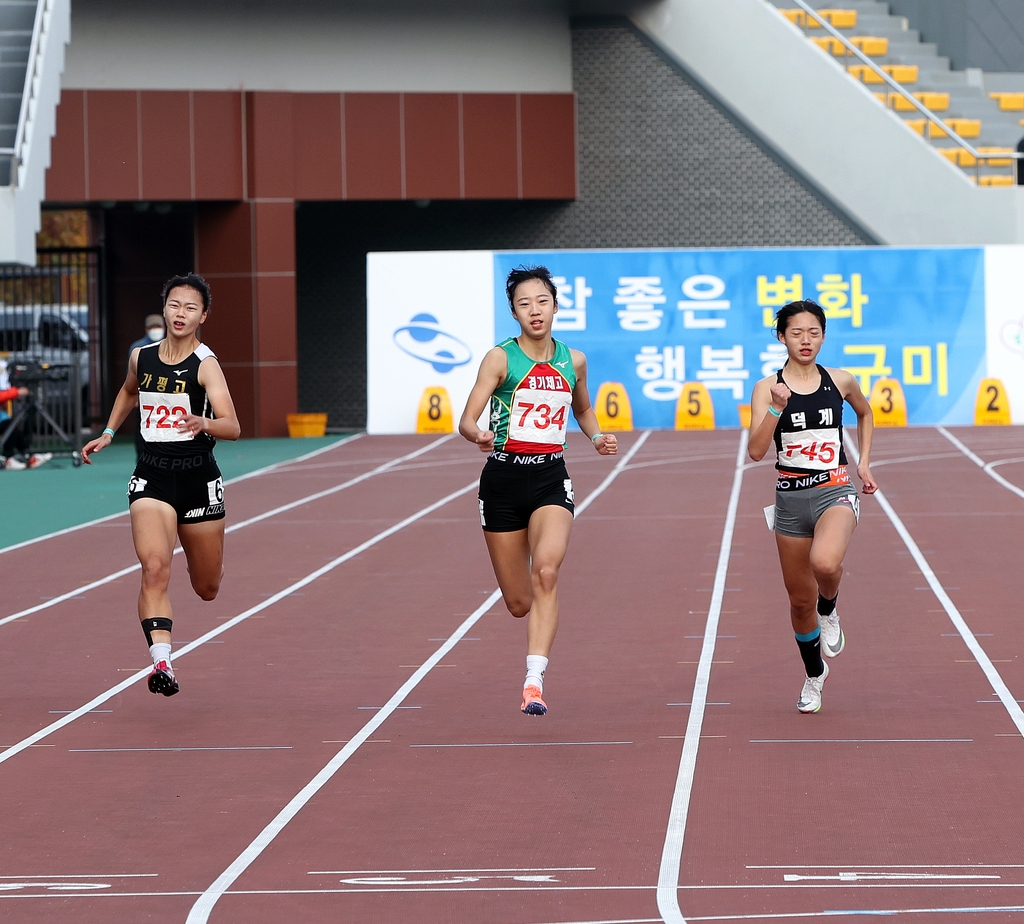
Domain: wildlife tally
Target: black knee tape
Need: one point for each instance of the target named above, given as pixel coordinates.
(151, 625)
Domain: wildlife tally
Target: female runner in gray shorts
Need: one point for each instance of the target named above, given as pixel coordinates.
(800, 410)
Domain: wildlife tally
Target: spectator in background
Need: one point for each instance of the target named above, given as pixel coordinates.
(16, 441)
(1020, 163)
(155, 331)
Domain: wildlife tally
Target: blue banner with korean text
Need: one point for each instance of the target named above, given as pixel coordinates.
(653, 320)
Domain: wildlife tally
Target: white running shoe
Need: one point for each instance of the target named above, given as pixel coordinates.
(833, 640)
(14, 465)
(39, 458)
(810, 695)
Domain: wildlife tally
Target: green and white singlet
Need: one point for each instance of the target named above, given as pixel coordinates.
(530, 409)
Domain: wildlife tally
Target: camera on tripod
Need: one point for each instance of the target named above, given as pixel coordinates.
(31, 373)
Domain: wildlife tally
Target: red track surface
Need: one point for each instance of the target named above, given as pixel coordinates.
(460, 809)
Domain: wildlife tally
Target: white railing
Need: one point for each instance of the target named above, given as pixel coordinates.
(28, 96)
(898, 88)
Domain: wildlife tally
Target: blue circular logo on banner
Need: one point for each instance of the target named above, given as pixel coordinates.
(423, 339)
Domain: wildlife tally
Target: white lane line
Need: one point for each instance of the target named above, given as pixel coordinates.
(253, 474)
(241, 617)
(959, 623)
(53, 601)
(989, 467)
(253, 747)
(521, 744)
(403, 872)
(672, 852)
(200, 911)
(862, 740)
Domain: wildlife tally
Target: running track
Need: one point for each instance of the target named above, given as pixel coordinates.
(347, 745)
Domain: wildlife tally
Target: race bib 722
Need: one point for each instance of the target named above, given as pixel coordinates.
(160, 412)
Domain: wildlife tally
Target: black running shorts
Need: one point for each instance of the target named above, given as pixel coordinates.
(192, 485)
(511, 490)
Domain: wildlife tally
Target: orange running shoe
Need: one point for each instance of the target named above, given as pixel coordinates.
(533, 704)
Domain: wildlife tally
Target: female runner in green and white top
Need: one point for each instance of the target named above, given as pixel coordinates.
(526, 496)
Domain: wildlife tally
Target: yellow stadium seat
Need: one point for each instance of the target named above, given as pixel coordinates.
(965, 128)
(998, 161)
(870, 45)
(840, 19)
(901, 73)
(1009, 102)
(830, 44)
(958, 156)
(916, 124)
(937, 102)
(797, 17)
(996, 181)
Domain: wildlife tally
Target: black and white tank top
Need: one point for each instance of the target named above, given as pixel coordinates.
(809, 434)
(168, 393)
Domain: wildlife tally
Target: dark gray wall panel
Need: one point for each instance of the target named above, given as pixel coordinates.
(973, 33)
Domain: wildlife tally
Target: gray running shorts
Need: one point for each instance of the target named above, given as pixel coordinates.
(797, 512)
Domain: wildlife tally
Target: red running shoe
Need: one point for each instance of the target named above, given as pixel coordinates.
(532, 702)
(162, 679)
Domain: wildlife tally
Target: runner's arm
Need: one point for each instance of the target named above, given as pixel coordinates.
(606, 443)
(767, 393)
(127, 398)
(493, 370)
(850, 390)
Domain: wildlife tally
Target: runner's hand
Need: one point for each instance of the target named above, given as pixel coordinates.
(101, 442)
(780, 395)
(864, 472)
(485, 440)
(190, 425)
(607, 444)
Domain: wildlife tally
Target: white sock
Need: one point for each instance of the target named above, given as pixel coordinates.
(160, 651)
(535, 667)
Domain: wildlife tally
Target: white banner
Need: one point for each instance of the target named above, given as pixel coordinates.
(430, 319)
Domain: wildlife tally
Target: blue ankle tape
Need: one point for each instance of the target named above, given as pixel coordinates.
(810, 636)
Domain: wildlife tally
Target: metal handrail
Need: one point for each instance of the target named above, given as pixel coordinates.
(898, 87)
(42, 7)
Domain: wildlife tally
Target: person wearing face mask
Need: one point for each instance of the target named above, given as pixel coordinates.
(155, 331)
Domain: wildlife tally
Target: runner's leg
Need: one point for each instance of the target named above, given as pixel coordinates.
(154, 530)
(203, 544)
(832, 535)
(549, 538)
(510, 559)
(795, 558)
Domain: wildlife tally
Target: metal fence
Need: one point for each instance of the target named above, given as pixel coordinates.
(51, 340)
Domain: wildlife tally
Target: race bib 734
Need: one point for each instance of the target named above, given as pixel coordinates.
(539, 415)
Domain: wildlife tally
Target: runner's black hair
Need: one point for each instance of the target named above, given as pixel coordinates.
(521, 274)
(193, 281)
(794, 308)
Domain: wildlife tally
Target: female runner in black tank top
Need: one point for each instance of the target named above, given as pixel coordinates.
(176, 492)
(800, 411)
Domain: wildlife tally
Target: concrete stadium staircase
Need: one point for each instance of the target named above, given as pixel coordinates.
(33, 34)
(800, 100)
(998, 123)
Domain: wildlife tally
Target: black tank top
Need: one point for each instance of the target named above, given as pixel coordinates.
(166, 395)
(809, 434)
